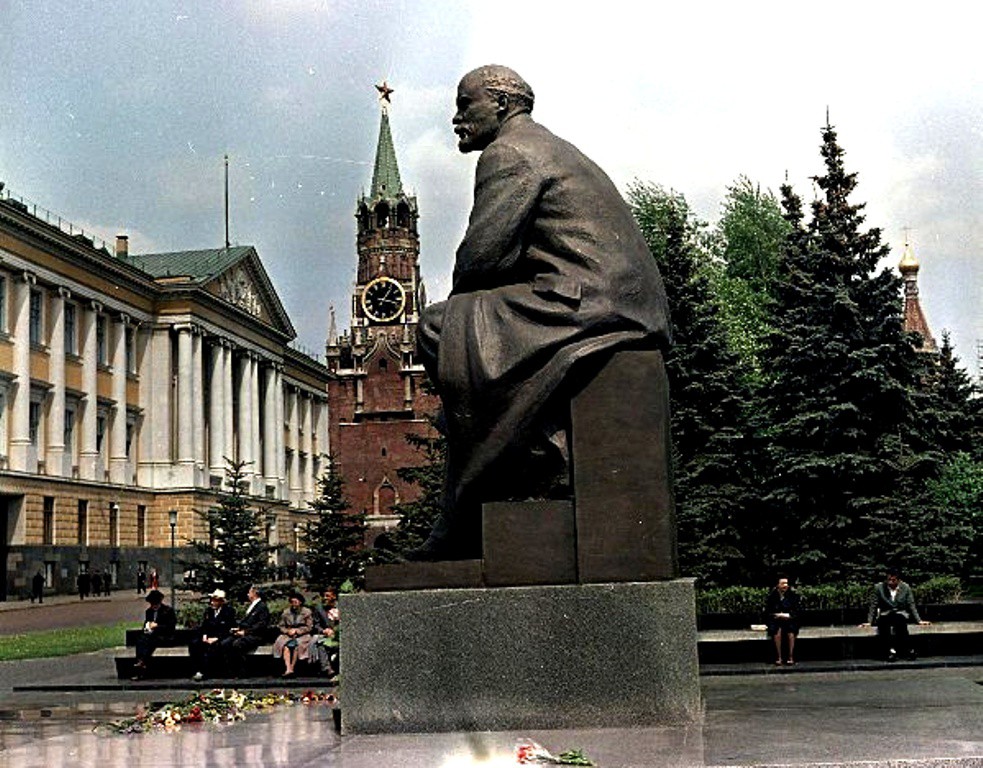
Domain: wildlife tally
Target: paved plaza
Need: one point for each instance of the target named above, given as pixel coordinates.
(917, 715)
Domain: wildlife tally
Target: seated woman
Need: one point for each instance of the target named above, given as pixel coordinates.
(782, 616)
(296, 624)
(323, 650)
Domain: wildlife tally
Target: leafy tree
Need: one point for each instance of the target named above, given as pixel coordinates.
(943, 527)
(838, 372)
(236, 555)
(707, 395)
(335, 538)
(749, 238)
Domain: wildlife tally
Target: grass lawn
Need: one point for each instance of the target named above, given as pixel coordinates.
(61, 642)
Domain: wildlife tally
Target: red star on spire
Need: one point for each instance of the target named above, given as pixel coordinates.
(384, 91)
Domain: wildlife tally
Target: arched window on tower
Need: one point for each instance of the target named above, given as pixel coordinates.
(382, 215)
(363, 218)
(403, 215)
(384, 498)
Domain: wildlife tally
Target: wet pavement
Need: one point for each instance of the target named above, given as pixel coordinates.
(881, 715)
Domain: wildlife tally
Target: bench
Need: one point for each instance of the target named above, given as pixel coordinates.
(837, 643)
(172, 662)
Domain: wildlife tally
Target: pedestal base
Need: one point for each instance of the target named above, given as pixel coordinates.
(570, 656)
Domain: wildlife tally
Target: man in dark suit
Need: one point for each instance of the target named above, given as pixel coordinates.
(553, 271)
(249, 635)
(892, 606)
(159, 624)
(205, 647)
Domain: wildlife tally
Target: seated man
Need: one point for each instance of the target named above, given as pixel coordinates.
(892, 606)
(248, 635)
(553, 272)
(205, 648)
(159, 624)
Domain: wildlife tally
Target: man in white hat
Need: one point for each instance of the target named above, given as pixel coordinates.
(204, 647)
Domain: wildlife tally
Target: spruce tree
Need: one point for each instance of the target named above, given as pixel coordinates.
(236, 556)
(417, 517)
(838, 372)
(335, 538)
(707, 396)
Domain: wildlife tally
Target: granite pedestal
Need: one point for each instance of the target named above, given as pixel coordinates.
(565, 656)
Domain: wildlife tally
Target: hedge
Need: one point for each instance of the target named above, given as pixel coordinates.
(940, 589)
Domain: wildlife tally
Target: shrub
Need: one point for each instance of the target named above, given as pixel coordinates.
(941, 589)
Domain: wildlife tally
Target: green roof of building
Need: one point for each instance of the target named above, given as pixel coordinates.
(200, 266)
(385, 176)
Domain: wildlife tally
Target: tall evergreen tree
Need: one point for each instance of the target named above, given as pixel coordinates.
(335, 539)
(416, 518)
(707, 395)
(236, 556)
(838, 373)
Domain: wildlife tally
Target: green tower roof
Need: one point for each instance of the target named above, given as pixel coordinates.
(385, 176)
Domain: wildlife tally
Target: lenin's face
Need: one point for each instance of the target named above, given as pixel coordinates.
(477, 120)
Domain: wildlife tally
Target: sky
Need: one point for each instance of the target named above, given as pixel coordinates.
(116, 115)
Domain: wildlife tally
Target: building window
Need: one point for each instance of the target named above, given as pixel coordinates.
(37, 318)
(70, 432)
(114, 524)
(71, 329)
(48, 521)
(100, 432)
(131, 351)
(83, 523)
(102, 352)
(34, 422)
(141, 525)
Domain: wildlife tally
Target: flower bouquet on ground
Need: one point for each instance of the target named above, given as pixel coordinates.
(531, 753)
(219, 706)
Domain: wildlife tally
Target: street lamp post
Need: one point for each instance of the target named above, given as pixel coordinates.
(172, 515)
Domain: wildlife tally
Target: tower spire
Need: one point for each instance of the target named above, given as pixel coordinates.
(385, 176)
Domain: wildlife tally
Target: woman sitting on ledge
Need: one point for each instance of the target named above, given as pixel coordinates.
(782, 615)
(296, 624)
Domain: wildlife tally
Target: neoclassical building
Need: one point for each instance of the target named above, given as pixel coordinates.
(126, 380)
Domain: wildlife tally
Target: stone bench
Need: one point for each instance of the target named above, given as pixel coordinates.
(171, 660)
(837, 643)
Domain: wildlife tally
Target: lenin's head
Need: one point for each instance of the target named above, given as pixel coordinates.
(486, 98)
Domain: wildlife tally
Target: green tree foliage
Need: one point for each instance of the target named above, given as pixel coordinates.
(707, 394)
(236, 555)
(749, 238)
(838, 373)
(417, 517)
(335, 538)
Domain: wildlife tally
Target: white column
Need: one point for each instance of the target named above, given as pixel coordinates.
(88, 455)
(257, 469)
(229, 437)
(293, 405)
(197, 404)
(245, 415)
(20, 412)
(54, 463)
(270, 441)
(308, 446)
(281, 453)
(216, 409)
(185, 409)
(118, 460)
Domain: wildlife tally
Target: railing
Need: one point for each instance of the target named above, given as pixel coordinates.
(305, 350)
(49, 217)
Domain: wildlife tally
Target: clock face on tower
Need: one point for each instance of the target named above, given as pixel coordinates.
(383, 300)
